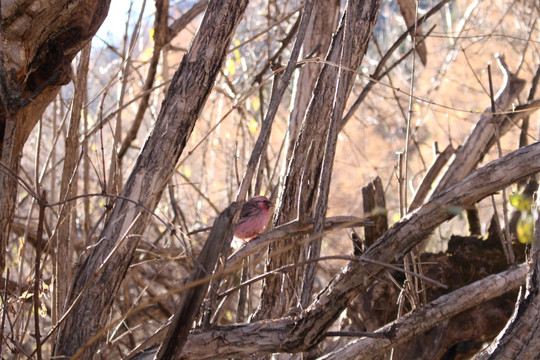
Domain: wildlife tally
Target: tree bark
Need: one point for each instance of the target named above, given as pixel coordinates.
(217, 244)
(520, 337)
(67, 190)
(99, 277)
(375, 210)
(302, 179)
(323, 22)
(294, 334)
(39, 39)
(424, 318)
(36, 48)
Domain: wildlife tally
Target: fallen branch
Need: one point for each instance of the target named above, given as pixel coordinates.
(425, 318)
(294, 334)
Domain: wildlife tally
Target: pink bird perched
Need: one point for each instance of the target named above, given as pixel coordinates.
(253, 218)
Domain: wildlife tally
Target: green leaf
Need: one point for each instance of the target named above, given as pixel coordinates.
(253, 125)
(525, 229)
(520, 202)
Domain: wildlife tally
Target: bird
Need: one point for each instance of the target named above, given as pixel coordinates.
(253, 218)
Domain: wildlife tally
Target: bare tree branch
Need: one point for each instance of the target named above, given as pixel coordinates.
(183, 103)
(294, 334)
(439, 310)
(218, 241)
(518, 340)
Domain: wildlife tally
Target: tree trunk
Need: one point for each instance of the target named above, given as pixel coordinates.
(37, 51)
(323, 22)
(293, 334)
(301, 182)
(99, 277)
(374, 209)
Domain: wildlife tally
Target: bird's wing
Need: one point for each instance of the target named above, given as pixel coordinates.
(248, 210)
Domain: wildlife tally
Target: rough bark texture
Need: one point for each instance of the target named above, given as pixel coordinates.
(99, 277)
(293, 334)
(345, 81)
(323, 22)
(520, 338)
(39, 40)
(375, 210)
(305, 165)
(218, 242)
(67, 190)
(425, 318)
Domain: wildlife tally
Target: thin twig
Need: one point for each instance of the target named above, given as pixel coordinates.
(263, 139)
(9, 171)
(510, 250)
(355, 334)
(28, 188)
(377, 73)
(37, 279)
(4, 310)
(268, 28)
(79, 297)
(286, 268)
